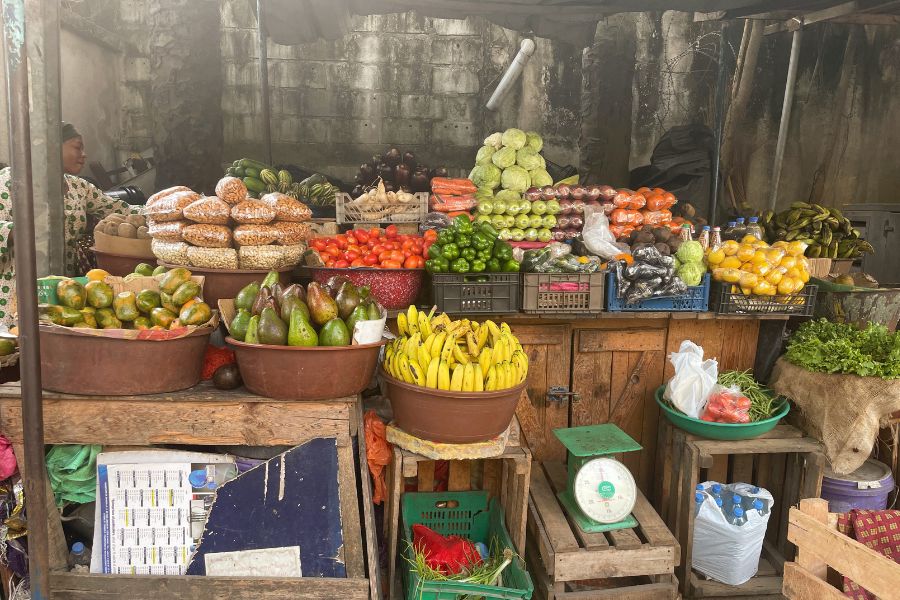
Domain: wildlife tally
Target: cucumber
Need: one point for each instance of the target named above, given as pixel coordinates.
(251, 172)
(238, 171)
(253, 164)
(254, 185)
(230, 171)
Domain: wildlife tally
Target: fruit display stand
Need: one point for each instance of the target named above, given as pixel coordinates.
(783, 461)
(566, 563)
(821, 548)
(201, 416)
(505, 477)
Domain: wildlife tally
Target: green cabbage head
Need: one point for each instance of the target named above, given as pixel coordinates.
(691, 273)
(540, 177)
(484, 155)
(508, 196)
(534, 141)
(514, 138)
(528, 159)
(486, 176)
(690, 252)
(515, 178)
(504, 157)
(494, 140)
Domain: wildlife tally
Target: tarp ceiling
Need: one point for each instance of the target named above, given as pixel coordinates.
(574, 21)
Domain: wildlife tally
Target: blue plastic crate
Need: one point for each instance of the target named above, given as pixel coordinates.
(695, 300)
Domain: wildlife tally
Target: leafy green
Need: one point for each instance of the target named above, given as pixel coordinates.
(827, 347)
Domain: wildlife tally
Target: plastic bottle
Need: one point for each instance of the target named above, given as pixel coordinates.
(728, 234)
(698, 502)
(715, 239)
(761, 506)
(685, 233)
(737, 516)
(703, 238)
(755, 229)
(79, 555)
(740, 230)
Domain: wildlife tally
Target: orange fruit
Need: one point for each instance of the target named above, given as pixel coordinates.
(715, 257)
(796, 248)
(745, 252)
(764, 289)
(748, 280)
(774, 255)
(96, 275)
(731, 262)
(730, 247)
(786, 285)
(788, 262)
(760, 258)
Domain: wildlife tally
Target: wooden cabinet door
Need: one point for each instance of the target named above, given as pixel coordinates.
(616, 372)
(549, 349)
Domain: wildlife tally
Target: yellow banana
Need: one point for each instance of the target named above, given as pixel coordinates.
(485, 358)
(422, 356)
(493, 329)
(459, 355)
(504, 328)
(416, 372)
(490, 384)
(405, 374)
(443, 376)
(471, 343)
(402, 328)
(412, 346)
(412, 319)
(481, 338)
(424, 324)
(428, 341)
(468, 384)
(479, 379)
(447, 348)
(456, 381)
(512, 379)
(438, 344)
(431, 378)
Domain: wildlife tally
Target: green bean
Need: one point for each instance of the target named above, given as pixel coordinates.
(762, 402)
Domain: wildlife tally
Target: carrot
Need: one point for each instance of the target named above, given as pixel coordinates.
(453, 186)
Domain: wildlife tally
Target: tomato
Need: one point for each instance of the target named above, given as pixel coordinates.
(383, 256)
(354, 248)
(329, 262)
(370, 259)
(407, 244)
(378, 248)
(342, 241)
(358, 263)
(390, 231)
(430, 235)
(411, 263)
(406, 254)
(350, 255)
(362, 236)
(332, 251)
(392, 245)
(375, 232)
(390, 264)
(397, 256)
(318, 244)
(341, 264)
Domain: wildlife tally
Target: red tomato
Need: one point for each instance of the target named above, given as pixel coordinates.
(362, 236)
(406, 254)
(392, 245)
(350, 255)
(375, 232)
(333, 251)
(341, 264)
(354, 248)
(378, 248)
(383, 256)
(425, 248)
(411, 263)
(329, 262)
(407, 244)
(318, 244)
(390, 231)
(370, 259)
(390, 264)
(397, 256)
(342, 241)
(358, 263)
(430, 235)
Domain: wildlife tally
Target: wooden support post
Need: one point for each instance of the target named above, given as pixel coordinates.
(789, 88)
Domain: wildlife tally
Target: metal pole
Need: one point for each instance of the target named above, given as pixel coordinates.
(264, 81)
(26, 294)
(719, 123)
(785, 116)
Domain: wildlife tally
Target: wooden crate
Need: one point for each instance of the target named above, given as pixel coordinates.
(820, 548)
(506, 477)
(568, 564)
(782, 461)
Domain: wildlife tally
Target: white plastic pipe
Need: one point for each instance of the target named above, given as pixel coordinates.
(512, 73)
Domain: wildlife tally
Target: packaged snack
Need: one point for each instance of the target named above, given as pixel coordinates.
(171, 207)
(173, 253)
(255, 235)
(207, 236)
(251, 212)
(213, 258)
(287, 208)
(657, 217)
(290, 234)
(661, 201)
(261, 257)
(292, 254)
(208, 209)
(165, 194)
(231, 190)
(167, 231)
(628, 199)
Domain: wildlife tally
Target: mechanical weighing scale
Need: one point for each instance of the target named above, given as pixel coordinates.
(600, 491)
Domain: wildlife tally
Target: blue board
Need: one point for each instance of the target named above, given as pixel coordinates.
(290, 500)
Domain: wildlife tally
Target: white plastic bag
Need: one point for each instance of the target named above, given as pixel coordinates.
(722, 550)
(598, 239)
(694, 379)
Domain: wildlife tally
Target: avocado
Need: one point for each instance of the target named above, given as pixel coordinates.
(7, 346)
(239, 324)
(290, 303)
(322, 307)
(360, 313)
(270, 279)
(227, 377)
(374, 311)
(347, 299)
(252, 336)
(262, 300)
(246, 296)
(300, 331)
(334, 333)
(295, 289)
(272, 330)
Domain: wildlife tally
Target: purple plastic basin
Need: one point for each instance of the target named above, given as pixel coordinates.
(868, 487)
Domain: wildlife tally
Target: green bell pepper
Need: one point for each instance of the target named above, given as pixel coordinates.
(463, 224)
(445, 236)
(450, 251)
(502, 250)
(463, 240)
(437, 265)
(487, 229)
(511, 266)
(481, 241)
(493, 265)
(478, 266)
(468, 253)
(460, 265)
(485, 254)
(434, 251)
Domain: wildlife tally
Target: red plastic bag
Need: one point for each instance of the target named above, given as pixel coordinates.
(378, 454)
(447, 554)
(725, 405)
(213, 358)
(656, 217)
(621, 216)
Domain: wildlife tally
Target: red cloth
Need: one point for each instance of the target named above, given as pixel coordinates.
(877, 529)
(447, 554)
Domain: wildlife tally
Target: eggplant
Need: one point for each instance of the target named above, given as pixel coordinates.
(440, 172)
(409, 159)
(386, 172)
(402, 175)
(419, 181)
(392, 157)
(563, 190)
(367, 173)
(375, 161)
(532, 194)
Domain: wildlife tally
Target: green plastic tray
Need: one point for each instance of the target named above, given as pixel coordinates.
(470, 515)
(720, 431)
(46, 288)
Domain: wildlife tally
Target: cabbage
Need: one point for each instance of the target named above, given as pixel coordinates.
(534, 141)
(515, 178)
(495, 140)
(543, 162)
(690, 252)
(504, 157)
(691, 273)
(508, 196)
(528, 159)
(486, 176)
(514, 138)
(484, 192)
(484, 155)
(540, 177)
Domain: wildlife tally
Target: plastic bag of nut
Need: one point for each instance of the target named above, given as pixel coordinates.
(261, 257)
(252, 212)
(255, 235)
(231, 190)
(213, 258)
(287, 208)
(207, 236)
(171, 207)
(292, 254)
(161, 194)
(290, 234)
(173, 253)
(208, 210)
(168, 231)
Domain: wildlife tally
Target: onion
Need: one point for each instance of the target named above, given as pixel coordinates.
(576, 222)
(578, 207)
(562, 222)
(564, 190)
(579, 193)
(571, 234)
(607, 192)
(565, 207)
(559, 235)
(549, 192)
(533, 193)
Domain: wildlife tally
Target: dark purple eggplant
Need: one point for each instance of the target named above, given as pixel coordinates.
(419, 181)
(386, 172)
(392, 157)
(409, 159)
(440, 172)
(402, 175)
(375, 161)
(367, 171)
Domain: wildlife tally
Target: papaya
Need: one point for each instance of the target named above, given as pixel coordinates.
(60, 315)
(165, 300)
(245, 297)
(159, 270)
(162, 317)
(99, 294)
(239, 324)
(142, 322)
(107, 319)
(70, 293)
(170, 281)
(197, 313)
(88, 317)
(144, 269)
(125, 305)
(176, 324)
(147, 300)
(82, 325)
(185, 292)
(7, 346)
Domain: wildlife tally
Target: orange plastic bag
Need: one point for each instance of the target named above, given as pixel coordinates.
(621, 231)
(661, 201)
(625, 198)
(378, 454)
(657, 217)
(621, 216)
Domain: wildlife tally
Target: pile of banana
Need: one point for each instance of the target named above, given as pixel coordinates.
(459, 356)
(826, 231)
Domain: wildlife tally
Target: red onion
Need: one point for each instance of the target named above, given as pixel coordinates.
(575, 222)
(533, 193)
(565, 207)
(559, 235)
(549, 192)
(578, 207)
(579, 193)
(593, 192)
(571, 234)
(607, 192)
(564, 190)
(562, 222)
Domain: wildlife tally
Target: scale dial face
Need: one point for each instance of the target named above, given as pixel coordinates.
(605, 490)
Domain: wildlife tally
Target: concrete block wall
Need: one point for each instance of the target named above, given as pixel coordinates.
(394, 80)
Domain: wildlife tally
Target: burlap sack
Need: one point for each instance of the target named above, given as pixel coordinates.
(843, 411)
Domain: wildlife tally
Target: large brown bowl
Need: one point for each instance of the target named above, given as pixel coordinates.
(73, 363)
(306, 373)
(451, 417)
(225, 283)
(119, 264)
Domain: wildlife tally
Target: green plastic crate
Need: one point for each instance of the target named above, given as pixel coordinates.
(46, 288)
(470, 515)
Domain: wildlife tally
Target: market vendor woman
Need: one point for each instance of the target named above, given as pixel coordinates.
(81, 199)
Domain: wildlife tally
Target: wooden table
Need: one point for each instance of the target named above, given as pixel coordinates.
(204, 416)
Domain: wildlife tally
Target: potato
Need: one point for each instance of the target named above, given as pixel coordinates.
(645, 237)
(662, 234)
(142, 233)
(136, 220)
(663, 248)
(111, 228)
(115, 218)
(127, 230)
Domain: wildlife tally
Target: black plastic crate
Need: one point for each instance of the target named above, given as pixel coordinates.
(473, 293)
(547, 293)
(728, 299)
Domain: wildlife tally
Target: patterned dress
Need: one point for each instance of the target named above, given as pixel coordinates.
(81, 199)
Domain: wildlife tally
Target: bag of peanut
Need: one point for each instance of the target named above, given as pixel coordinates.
(231, 190)
(290, 234)
(170, 208)
(255, 235)
(252, 212)
(287, 208)
(207, 236)
(209, 210)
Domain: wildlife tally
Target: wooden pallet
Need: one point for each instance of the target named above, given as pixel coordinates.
(820, 547)
(568, 564)
(506, 477)
(782, 461)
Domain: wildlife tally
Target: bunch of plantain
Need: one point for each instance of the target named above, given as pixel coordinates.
(826, 231)
(460, 356)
